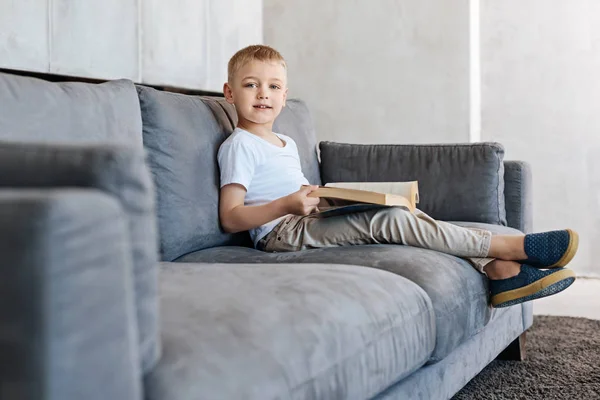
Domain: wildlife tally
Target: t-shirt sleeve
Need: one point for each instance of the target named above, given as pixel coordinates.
(236, 163)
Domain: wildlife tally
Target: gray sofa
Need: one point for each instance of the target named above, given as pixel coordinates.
(118, 283)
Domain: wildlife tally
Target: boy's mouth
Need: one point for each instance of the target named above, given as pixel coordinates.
(262, 106)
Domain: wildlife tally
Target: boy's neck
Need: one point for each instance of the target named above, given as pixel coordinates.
(262, 130)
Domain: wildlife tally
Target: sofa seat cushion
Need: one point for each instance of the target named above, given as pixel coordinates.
(233, 331)
(459, 293)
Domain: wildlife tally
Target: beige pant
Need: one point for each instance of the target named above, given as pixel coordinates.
(393, 225)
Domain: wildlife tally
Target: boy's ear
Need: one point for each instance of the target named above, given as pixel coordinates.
(228, 93)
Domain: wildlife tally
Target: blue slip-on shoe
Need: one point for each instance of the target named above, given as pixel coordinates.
(530, 284)
(550, 249)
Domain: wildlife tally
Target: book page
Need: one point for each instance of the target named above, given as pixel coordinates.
(406, 189)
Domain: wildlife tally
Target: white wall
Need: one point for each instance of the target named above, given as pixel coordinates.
(184, 43)
(24, 34)
(540, 63)
(390, 71)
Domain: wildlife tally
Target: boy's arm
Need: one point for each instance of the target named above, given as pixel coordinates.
(236, 217)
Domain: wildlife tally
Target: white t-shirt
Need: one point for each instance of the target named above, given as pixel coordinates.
(267, 171)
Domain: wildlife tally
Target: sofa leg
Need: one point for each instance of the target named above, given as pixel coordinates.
(515, 351)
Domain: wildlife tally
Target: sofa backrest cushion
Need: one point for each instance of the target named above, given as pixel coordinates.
(34, 111)
(182, 135)
(457, 181)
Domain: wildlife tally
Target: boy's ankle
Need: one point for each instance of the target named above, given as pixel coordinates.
(501, 269)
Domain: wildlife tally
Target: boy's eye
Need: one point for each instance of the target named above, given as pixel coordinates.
(252, 85)
(275, 87)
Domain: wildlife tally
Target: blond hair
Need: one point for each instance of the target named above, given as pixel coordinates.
(257, 52)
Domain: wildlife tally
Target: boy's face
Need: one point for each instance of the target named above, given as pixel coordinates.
(258, 90)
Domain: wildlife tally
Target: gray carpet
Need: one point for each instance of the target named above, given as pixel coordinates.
(562, 362)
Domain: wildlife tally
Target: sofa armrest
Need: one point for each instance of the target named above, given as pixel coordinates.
(67, 317)
(116, 170)
(518, 195)
(457, 182)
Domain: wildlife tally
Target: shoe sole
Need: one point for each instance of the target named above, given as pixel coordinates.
(546, 286)
(571, 250)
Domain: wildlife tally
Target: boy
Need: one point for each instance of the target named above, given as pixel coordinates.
(263, 190)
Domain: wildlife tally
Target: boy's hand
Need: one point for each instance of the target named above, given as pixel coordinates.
(298, 203)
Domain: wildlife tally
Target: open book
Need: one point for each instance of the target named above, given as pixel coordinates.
(350, 197)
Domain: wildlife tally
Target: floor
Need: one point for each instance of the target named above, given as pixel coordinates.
(582, 299)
